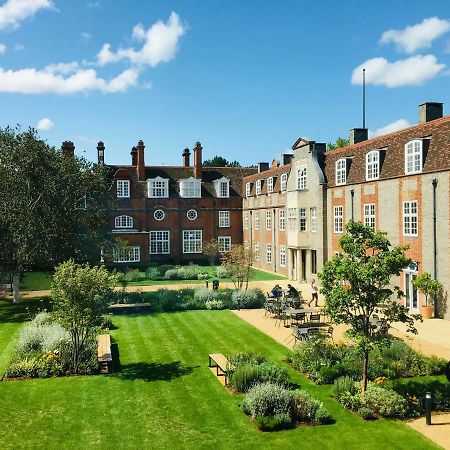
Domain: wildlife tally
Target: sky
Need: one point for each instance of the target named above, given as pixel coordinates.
(246, 78)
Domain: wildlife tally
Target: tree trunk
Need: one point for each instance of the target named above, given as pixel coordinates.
(364, 376)
(15, 286)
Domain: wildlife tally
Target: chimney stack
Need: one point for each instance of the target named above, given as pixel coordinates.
(186, 156)
(101, 152)
(358, 135)
(68, 149)
(133, 154)
(287, 158)
(262, 166)
(140, 165)
(430, 111)
(198, 172)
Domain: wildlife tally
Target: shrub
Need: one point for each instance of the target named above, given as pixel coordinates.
(273, 373)
(26, 368)
(214, 304)
(447, 371)
(164, 268)
(344, 384)
(245, 377)
(204, 295)
(385, 402)
(435, 365)
(134, 275)
(203, 276)
(172, 274)
(43, 318)
(221, 272)
(125, 297)
(366, 413)
(350, 401)
(35, 337)
(322, 416)
(277, 422)
(239, 359)
(188, 272)
(308, 409)
(249, 299)
(327, 375)
(53, 337)
(267, 399)
(152, 273)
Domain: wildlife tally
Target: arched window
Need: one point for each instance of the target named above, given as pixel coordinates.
(124, 222)
(373, 165)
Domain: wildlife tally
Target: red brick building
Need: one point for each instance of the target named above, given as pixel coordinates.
(167, 213)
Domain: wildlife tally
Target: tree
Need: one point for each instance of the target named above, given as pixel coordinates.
(80, 296)
(357, 284)
(427, 286)
(219, 161)
(52, 207)
(212, 250)
(340, 142)
(238, 262)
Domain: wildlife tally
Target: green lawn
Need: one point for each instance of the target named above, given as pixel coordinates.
(166, 397)
(38, 281)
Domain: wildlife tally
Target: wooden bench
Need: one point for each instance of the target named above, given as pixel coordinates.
(220, 362)
(104, 353)
(129, 308)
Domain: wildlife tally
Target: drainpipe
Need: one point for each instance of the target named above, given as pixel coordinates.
(352, 192)
(435, 183)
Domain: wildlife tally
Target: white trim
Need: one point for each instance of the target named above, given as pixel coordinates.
(128, 254)
(302, 178)
(190, 188)
(284, 178)
(410, 218)
(119, 221)
(373, 166)
(224, 244)
(414, 155)
(158, 185)
(159, 211)
(341, 171)
(258, 187)
(225, 222)
(195, 243)
(123, 188)
(338, 219)
(159, 240)
(282, 256)
(270, 185)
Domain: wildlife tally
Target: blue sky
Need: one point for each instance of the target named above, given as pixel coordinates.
(245, 78)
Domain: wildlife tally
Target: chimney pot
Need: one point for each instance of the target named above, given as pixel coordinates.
(186, 157)
(286, 158)
(68, 149)
(430, 111)
(133, 154)
(358, 135)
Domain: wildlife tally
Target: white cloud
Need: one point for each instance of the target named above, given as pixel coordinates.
(411, 71)
(85, 38)
(160, 44)
(2, 48)
(62, 68)
(417, 36)
(45, 124)
(52, 80)
(15, 11)
(390, 127)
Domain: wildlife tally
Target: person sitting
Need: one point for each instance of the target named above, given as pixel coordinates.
(276, 292)
(292, 292)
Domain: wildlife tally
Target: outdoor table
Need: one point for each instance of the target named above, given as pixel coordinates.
(292, 312)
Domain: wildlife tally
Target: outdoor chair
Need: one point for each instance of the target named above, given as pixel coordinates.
(313, 333)
(314, 318)
(329, 333)
(298, 318)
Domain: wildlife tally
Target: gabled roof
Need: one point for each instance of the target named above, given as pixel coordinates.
(275, 172)
(301, 142)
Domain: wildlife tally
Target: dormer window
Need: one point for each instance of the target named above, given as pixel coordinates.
(123, 222)
(248, 189)
(222, 187)
(190, 188)
(284, 181)
(302, 178)
(123, 188)
(258, 187)
(270, 185)
(413, 156)
(158, 187)
(341, 171)
(373, 165)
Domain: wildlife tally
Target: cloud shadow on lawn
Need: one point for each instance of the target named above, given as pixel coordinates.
(154, 371)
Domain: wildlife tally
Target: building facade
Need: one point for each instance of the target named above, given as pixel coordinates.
(167, 213)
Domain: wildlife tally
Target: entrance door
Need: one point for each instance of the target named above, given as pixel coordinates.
(294, 264)
(303, 265)
(411, 297)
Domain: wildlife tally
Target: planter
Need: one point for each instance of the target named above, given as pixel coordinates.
(426, 311)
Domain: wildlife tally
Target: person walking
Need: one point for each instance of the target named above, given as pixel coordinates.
(314, 293)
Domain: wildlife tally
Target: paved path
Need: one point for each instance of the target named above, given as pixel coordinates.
(438, 431)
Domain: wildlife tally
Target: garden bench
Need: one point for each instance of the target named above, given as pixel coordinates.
(220, 362)
(104, 354)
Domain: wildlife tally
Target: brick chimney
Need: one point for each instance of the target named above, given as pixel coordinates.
(186, 156)
(68, 149)
(140, 164)
(263, 166)
(101, 152)
(133, 154)
(275, 163)
(430, 111)
(358, 135)
(198, 172)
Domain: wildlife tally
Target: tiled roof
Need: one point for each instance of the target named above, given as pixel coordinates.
(437, 157)
(210, 174)
(275, 172)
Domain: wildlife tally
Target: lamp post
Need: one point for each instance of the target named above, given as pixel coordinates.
(428, 408)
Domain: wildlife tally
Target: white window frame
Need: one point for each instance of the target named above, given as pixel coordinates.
(412, 297)
(192, 241)
(222, 186)
(302, 178)
(313, 219)
(159, 211)
(370, 215)
(292, 219)
(410, 218)
(258, 187)
(269, 253)
(413, 156)
(341, 171)
(123, 221)
(248, 189)
(268, 220)
(256, 220)
(338, 219)
(158, 187)
(190, 188)
(373, 165)
(282, 219)
(302, 220)
(224, 219)
(224, 244)
(159, 242)
(284, 178)
(256, 250)
(193, 214)
(126, 255)
(282, 255)
(123, 188)
(269, 185)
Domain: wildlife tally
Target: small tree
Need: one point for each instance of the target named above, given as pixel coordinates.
(340, 142)
(427, 286)
(238, 262)
(80, 294)
(212, 250)
(357, 284)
